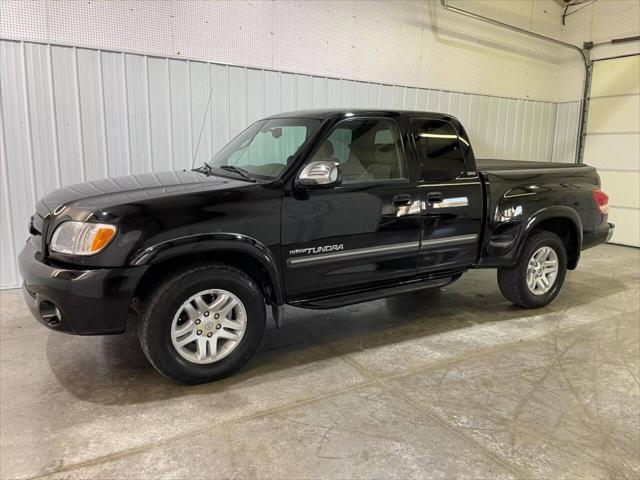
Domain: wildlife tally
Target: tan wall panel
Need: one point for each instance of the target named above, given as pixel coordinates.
(616, 77)
(613, 152)
(614, 109)
(627, 222)
(623, 188)
(614, 114)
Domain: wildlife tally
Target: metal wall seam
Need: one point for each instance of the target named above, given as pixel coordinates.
(190, 113)
(228, 103)
(76, 86)
(27, 115)
(147, 97)
(170, 119)
(54, 120)
(103, 114)
(9, 273)
(125, 98)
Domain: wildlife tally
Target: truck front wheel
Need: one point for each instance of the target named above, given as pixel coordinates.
(202, 323)
(538, 276)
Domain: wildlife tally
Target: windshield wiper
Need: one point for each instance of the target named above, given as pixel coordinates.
(239, 171)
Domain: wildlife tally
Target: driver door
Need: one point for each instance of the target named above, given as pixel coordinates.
(363, 232)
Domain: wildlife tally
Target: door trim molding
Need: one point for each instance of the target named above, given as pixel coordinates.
(384, 249)
(357, 253)
(450, 240)
(450, 184)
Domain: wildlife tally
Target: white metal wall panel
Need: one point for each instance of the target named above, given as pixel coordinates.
(18, 176)
(115, 115)
(8, 271)
(76, 114)
(139, 145)
(92, 111)
(613, 141)
(566, 132)
(43, 118)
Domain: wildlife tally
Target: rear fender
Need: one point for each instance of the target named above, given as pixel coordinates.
(506, 241)
(552, 213)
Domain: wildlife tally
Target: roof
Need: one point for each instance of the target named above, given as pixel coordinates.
(347, 112)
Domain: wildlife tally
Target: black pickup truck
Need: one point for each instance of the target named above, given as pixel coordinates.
(316, 209)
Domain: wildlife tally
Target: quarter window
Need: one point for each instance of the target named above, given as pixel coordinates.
(366, 150)
(439, 152)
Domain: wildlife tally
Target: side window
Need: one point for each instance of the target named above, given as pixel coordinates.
(365, 149)
(439, 152)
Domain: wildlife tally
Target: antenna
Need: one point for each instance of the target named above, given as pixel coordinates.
(206, 111)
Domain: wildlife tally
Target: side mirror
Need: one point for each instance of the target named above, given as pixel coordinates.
(320, 174)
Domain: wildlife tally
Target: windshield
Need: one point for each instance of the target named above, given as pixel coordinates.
(266, 147)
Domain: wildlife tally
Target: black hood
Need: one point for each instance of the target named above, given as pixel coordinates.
(132, 188)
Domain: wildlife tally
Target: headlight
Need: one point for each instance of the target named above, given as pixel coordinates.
(81, 238)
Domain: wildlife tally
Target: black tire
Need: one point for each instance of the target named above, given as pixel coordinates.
(161, 305)
(513, 280)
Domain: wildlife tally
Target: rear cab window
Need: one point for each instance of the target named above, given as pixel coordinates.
(441, 151)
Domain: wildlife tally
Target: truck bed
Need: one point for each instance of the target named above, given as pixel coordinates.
(492, 165)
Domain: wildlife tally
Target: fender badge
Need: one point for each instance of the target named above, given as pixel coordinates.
(313, 250)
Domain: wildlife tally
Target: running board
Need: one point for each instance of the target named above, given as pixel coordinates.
(367, 295)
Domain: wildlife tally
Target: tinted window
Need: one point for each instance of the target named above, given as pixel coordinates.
(439, 152)
(365, 149)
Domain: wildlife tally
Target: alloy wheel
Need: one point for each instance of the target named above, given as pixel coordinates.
(542, 270)
(208, 326)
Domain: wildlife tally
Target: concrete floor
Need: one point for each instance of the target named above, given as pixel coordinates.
(456, 384)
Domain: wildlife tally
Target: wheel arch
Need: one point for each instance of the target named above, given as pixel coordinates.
(236, 250)
(564, 222)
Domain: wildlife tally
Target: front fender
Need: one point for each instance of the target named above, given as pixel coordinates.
(214, 242)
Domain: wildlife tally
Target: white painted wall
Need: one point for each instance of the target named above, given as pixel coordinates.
(613, 141)
(598, 22)
(613, 132)
(414, 43)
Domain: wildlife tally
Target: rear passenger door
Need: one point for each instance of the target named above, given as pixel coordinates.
(451, 193)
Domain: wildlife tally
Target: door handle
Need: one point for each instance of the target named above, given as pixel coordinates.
(401, 200)
(434, 197)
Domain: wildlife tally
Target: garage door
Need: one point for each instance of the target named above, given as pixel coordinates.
(613, 141)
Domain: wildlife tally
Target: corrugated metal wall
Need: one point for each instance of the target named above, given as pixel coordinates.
(566, 132)
(72, 114)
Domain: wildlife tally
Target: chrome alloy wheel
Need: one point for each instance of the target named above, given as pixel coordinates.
(542, 270)
(208, 326)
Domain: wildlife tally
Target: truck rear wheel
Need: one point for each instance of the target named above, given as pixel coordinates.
(202, 323)
(538, 276)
